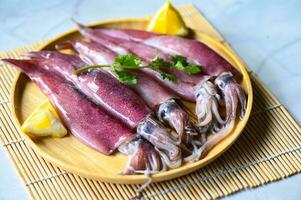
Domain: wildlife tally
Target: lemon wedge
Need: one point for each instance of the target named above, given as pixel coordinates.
(44, 121)
(168, 20)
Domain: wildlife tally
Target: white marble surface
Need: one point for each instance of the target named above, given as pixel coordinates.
(266, 34)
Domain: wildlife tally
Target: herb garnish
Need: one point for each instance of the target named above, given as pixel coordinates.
(125, 77)
(181, 63)
(158, 62)
(120, 67)
(127, 61)
(123, 64)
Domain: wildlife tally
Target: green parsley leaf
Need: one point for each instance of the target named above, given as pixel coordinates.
(127, 61)
(179, 62)
(178, 58)
(158, 62)
(168, 76)
(180, 66)
(125, 77)
(193, 69)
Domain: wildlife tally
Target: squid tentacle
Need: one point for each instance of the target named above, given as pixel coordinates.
(143, 158)
(207, 106)
(172, 114)
(208, 101)
(165, 143)
(139, 191)
(201, 112)
(228, 105)
(234, 100)
(243, 102)
(214, 140)
(208, 117)
(234, 96)
(190, 128)
(216, 112)
(189, 140)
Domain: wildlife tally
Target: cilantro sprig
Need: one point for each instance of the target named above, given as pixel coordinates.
(123, 64)
(127, 61)
(178, 62)
(125, 77)
(181, 63)
(158, 62)
(120, 68)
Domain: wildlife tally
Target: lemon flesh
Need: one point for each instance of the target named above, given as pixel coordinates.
(44, 121)
(168, 20)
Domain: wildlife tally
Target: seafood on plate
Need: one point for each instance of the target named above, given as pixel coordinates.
(147, 53)
(164, 102)
(117, 99)
(86, 87)
(75, 109)
(214, 89)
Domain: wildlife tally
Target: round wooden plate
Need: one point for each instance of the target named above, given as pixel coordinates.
(73, 156)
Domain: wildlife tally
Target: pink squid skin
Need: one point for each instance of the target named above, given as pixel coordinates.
(181, 88)
(124, 34)
(156, 96)
(147, 54)
(96, 54)
(184, 90)
(111, 91)
(102, 88)
(213, 65)
(144, 52)
(78, 113)
(197, 52)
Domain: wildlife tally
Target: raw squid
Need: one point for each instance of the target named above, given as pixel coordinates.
(164, 102)
(100, 87)
(207, 106)
(233, 94)
(208, 94)
(80, 115)
(106, 91)
(183, 89)
(147, 53)
(197, 52)
(143, 158)
(204, 92)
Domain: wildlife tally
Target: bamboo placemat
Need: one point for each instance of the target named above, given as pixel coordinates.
(269, 149)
